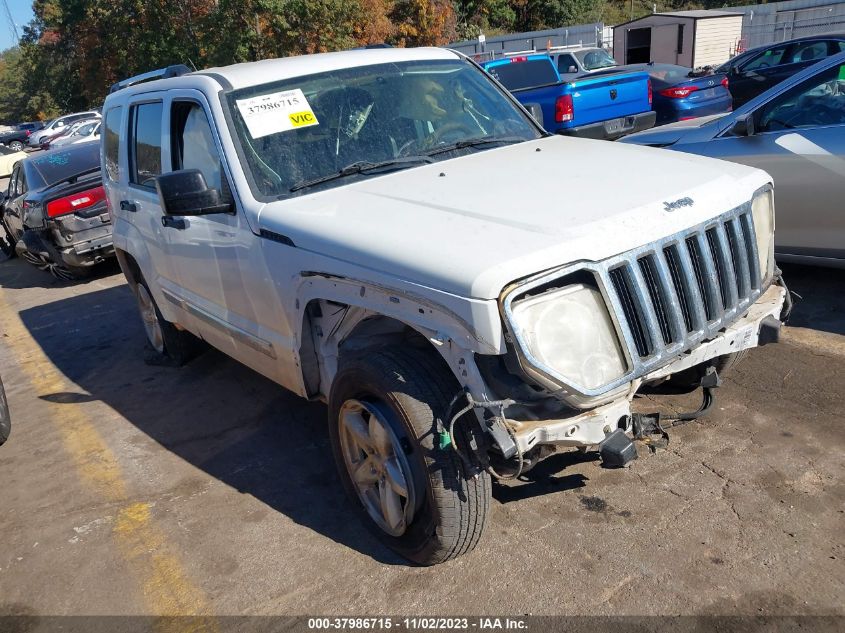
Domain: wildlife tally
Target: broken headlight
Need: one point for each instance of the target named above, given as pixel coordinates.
(569, 333)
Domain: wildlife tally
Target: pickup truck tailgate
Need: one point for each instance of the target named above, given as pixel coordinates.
(601, 98)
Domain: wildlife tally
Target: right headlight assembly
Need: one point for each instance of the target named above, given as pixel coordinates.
(569, 335)
(763, 214)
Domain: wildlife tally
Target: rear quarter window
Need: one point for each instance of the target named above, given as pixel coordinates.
(527, 74)
(111, 143)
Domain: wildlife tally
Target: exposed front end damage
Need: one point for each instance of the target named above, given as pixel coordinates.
(582, 340)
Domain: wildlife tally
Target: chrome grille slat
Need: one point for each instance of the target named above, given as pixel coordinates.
(706, 275)
(698, 315)
(728, 276)
(747, 225)
(739, 253)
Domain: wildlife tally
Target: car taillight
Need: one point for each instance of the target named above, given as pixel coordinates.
(650, 93)
(725, 82)
(28, 133)
(564, 109)
(679, 92)
(76, 202)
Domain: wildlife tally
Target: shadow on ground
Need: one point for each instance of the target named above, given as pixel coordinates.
(235, 425)
(820, 300)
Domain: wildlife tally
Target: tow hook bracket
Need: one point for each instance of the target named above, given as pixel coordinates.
(500, 435)
(617, 450)
(769, 331)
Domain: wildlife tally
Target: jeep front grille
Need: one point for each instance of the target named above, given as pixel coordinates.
(687, 287)
(665, 297)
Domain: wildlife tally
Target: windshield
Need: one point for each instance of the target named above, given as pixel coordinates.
(596, 58)
(305, 129)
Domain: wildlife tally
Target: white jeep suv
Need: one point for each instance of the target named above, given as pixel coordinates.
(390, 232)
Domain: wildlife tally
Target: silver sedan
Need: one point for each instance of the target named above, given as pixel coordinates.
(796, 132)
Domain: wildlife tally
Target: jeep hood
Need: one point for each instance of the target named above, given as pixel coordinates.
(473, 224)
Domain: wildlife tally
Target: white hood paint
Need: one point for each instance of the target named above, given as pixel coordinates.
(471, 225)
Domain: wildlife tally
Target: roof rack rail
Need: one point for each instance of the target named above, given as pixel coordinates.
(176, 70)
(530, 51)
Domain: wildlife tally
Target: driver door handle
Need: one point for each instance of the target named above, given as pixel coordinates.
(128, 205)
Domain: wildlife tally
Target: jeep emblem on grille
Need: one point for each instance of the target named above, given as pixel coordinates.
(677, 204)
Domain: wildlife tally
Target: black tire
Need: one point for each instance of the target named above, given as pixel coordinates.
(7, 240)
(5, 418)
(16, 146)
(414, 389)
(176, 347)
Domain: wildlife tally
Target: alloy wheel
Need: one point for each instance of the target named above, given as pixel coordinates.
(148, 315)
(377, 465)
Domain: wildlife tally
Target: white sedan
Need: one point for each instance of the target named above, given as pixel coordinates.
(8, 159)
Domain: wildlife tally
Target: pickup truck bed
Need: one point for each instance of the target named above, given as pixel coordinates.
(603, 107)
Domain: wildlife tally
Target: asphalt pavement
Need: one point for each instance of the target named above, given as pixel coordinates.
(137, 489)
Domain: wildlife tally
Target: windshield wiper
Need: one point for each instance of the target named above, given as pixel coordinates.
(362, 167)
(476, 142)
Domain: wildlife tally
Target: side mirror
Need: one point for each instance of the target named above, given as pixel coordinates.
(185, 192)
(572, 69)
(536, 112)
(743, 126)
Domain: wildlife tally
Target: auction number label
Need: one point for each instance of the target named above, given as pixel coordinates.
(276, 112)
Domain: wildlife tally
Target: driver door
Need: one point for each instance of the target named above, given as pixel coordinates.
(216, 258)
(800, 141)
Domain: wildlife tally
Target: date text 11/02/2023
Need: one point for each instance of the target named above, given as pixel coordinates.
(418, 623)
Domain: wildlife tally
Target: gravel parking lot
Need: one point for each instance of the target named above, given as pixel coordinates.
(134, 489)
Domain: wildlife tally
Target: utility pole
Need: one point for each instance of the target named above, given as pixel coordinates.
(12, 28)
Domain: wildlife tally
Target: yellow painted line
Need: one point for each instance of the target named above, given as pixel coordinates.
(167, 589)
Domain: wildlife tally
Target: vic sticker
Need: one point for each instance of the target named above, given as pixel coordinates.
(276, 112)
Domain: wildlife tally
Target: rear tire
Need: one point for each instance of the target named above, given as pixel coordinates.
(16, 146)
(390, 401)
(166, 345)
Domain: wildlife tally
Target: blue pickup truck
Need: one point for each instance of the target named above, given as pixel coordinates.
(603, 107)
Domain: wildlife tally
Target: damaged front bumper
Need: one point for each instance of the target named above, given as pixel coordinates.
(757, 327)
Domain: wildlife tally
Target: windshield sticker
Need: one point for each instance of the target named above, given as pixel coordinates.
(276, 112)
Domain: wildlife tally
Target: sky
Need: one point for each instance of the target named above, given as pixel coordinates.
(21, 13)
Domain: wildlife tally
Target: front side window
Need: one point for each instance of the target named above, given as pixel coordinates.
(818, 101)
(111, 143)
(145, 135)
(396, 115)
(193, 143)
(766, 59)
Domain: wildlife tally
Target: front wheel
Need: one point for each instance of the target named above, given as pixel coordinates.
(383, 421)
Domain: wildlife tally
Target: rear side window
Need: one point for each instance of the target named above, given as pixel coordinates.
(111, 143)
(145, 141)
(564, 62)
(527, 74)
